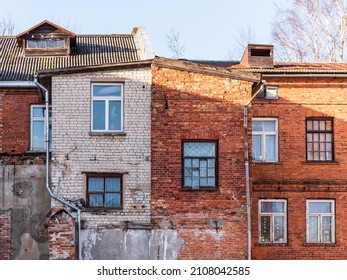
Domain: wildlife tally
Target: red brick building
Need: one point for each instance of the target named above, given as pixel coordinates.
(198, 174)
(299, 154)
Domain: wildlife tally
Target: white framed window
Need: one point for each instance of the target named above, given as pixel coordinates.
(320, 221)
(265, 139)
(272, 221)
(107, 107)
(271, 92)
(37, 128)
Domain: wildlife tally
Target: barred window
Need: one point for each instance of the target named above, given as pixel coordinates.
(319, 139)
(199, 164)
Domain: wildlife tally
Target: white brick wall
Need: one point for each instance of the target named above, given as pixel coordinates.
(77, 151)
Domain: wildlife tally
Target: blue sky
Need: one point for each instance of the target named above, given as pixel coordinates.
(207, 28)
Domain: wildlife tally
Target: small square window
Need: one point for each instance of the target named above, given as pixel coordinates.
(272, 221)
(199, 164)
(320, 220)
(104, 191)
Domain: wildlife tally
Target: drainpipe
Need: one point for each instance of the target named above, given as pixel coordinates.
(74, 207)
(259, 88)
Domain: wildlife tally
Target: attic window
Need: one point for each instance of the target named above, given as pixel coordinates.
(38, 44)
(260, 52)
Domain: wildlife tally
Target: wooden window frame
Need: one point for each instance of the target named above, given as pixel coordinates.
(104, 176)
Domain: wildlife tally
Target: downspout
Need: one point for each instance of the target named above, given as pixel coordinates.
(74, 207)
(259, 88)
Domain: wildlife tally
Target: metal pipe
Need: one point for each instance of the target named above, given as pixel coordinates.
(258, 90)
(47, 141)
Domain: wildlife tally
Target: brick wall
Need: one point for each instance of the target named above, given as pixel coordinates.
(295, 179)
(193, 106)
(5, 235)
(77, 151)
(15, 125)
(61, 232)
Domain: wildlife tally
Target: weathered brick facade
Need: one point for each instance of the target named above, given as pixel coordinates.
(191, 105)
(295, 179)
(5, 235)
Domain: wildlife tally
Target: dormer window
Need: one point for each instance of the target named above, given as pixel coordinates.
(46, 39)
(37, 44)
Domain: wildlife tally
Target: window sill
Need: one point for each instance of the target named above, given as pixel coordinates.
(321, 245)
(93, 133)
(38, 152)
(266, 162)
(210, 189)
(320, 162)
(271, 244)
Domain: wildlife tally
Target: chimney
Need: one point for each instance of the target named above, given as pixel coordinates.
(143, 43)
(258, 56)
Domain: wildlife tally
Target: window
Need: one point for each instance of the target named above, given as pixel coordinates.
(319, 139)
(38, 131)
(264, 140)
(320, 219)
(56, 43)
(199, 164)
(107, 107)
(104, 191)
(272, 221)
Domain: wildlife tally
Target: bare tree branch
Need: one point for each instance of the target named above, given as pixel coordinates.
(243, 37)
(311, 30)
(7, 26)
(173, 42)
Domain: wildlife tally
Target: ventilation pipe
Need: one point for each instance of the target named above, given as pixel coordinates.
(48, 187)
(256, 91)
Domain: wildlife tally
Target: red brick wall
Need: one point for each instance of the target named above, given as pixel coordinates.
(15, 124)
(61, 235)
(5, 235)
(189, 106)
(293, 178)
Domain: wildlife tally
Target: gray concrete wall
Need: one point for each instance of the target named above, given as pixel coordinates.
(131, 244)
(22, 190)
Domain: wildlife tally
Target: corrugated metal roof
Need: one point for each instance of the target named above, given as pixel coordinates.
(89, 50)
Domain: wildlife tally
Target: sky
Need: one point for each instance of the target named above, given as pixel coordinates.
(207, 28)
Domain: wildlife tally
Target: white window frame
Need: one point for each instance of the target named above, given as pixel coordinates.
(320, 216)
(263, 135)
(272, 218)
(43, 119)
(271, 92)
(107, 99)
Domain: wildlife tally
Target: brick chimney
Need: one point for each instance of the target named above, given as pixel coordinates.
(258, 56)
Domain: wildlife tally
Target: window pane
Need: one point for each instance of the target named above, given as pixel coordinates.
(112, 184)
(309, 125)
(256, 147)
(107, 90)
(320, 207)
(312, 229)
(265, 229)
(187, 163)
(96, 184)
(203, 182)
(211, 172)
(196, 179)
(326, 229)
(115, 115)
(38, 112)
(41, 44)
(188, 181)
(98, 115)
(309, 156)
(316, 125)
(272, 207)
(269, 126)
(38, 135)
(322, 125)
(112, 200)
(270, 148)
(211, 181)
(95, 200)
(50, 44)
(32, 44)
(199, 149)
(60, 43)
(257, 126)
(279, 229)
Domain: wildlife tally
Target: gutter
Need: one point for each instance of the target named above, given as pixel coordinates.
(17, 84)
(259, 88)
(318, 75)
(60, 199)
